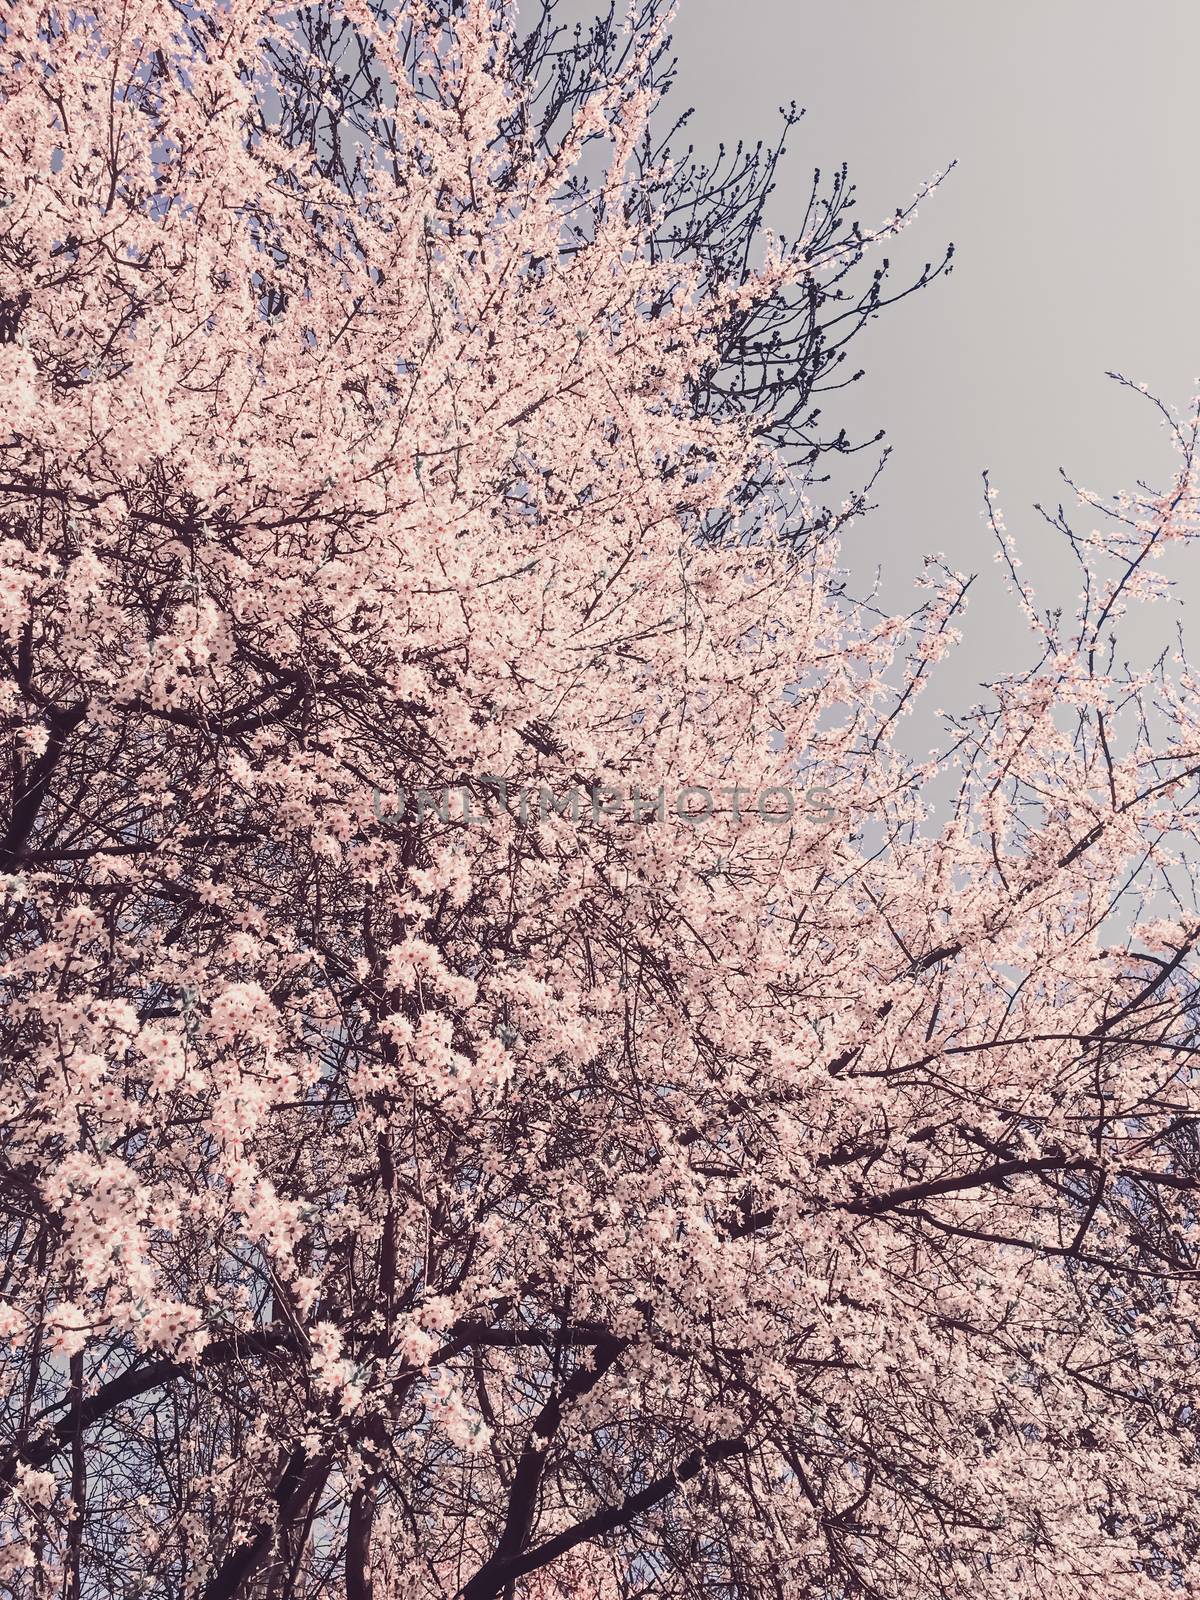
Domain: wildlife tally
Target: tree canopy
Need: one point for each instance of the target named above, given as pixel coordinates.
(510, 1086)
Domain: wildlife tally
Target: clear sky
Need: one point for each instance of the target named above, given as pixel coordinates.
(1075, 211)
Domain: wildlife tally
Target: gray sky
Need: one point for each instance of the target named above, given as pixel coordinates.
(1075, 212)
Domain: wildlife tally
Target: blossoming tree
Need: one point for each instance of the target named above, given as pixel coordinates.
(507, 1089)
